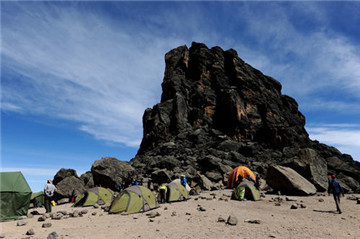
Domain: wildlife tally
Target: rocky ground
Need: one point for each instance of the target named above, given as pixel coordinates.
(204, 216)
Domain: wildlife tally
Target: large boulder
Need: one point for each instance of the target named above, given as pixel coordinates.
(110, 172)
(63, 173)
(161, 176)
(288, 181)
(309, 164)
(67, 186)
(88, 179)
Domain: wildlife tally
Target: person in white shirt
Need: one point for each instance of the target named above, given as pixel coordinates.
(49, 193)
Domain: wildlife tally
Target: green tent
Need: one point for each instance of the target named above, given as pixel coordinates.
(176, 192)
(15, 195)
(37, 198)
(98, 195)
(246, 190)
(134, 199)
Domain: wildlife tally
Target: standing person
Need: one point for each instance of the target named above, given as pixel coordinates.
(163, 192)
(49, 193)
(335, 188)
(183, 180)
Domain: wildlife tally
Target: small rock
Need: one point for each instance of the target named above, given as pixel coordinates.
(46, 225)
(209, 198)
(253, 221)
(57, 216)
(201, 209)
(124, 214)
(30, 215)
(290, 199)
(321, 200)
(232, 220)
(165, 208)
(75, 213)
(272, 236)
(277, 204)
(66, 217)
(220, 219)
(96, 205)
(302, 205)
(22, 217)
(35, 213)
(188, 213)
(30, 232)
(226, 200)
(21, 223)
(42, 218)
(153, 214)
(358, 201)
(2, 235)
(54, 235)
(151, 220)
(135, 218)
(173, 214)
(94, 213)
(84, 211)
(196, 199)
(294, 206)
(46, 215)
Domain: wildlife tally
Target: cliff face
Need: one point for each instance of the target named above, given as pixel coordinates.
(217, 112)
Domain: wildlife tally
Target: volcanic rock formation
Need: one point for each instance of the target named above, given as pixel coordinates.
(217, 112)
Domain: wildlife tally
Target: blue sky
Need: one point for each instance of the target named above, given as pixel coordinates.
(76, 77)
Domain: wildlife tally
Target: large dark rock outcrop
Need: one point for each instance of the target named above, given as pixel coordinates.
(217, 112)
(110, 172)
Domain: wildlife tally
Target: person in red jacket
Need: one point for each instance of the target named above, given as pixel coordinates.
(336, 189)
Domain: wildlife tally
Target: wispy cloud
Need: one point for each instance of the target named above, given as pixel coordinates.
(102, 71)
(343, 136)
(74, 65)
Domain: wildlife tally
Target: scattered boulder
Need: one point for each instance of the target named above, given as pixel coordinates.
(54, 235)
(84, 211)
(232, 220)
(2, 235)
(253, 221)
(288, 181)
(46, 225)
(220, 219)
(294, 206)
(30, 232)
(153, 214)
(22, 223)
(57, 216)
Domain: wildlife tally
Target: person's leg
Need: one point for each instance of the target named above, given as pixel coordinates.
(337, 202)
(46, 204)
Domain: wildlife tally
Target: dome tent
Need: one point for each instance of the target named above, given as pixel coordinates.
(176, 192)
(245, 190)
(243, 172)
(15, 195)
(134, 199)
(98, 195)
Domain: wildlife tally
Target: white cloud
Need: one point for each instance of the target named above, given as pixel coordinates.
(76, 66)
(343, 136)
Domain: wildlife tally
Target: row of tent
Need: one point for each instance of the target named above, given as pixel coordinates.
(15, 195)
(132, 199)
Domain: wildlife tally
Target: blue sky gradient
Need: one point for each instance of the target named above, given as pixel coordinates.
(76, 77)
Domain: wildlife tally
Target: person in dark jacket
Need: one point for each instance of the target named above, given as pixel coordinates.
(336, 189)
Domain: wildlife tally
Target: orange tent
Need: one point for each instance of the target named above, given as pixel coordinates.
(241, 170)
